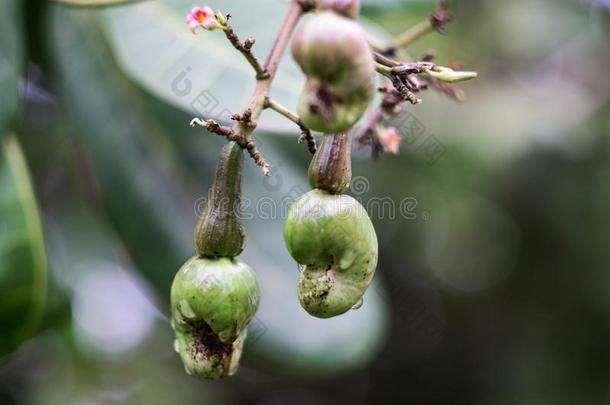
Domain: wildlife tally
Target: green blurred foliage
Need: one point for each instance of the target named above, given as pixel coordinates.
(23, 263)
(11, 60)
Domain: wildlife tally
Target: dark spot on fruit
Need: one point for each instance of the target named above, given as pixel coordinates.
(207, 342)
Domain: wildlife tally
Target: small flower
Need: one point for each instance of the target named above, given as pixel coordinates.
(390, 140)
(203, 17)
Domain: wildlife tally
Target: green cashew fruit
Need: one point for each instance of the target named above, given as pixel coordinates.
(212, 302)
(347, 8)
(334, 54)
(214, 296)
(333, 239)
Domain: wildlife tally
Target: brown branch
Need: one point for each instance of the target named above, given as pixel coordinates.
(384, 59)
(405, 68)
(402, 76)
(241, 132)
(230, 134)
(246, 49)
(306, 134)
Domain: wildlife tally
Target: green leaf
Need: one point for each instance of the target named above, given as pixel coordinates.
(23, 263)
(95, 3)
(10, 61)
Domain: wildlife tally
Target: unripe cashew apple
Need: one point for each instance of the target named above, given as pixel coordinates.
(334, 54)
(334, 239)
(347, 8)
(212, 302)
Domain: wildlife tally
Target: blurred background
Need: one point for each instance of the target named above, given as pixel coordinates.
(493, 284)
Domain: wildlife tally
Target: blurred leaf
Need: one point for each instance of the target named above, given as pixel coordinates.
(23, 263)
(10, 60)
(151, 205)
(141, 189)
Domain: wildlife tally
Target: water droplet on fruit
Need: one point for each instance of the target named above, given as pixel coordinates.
(358, 304)
(176, 346)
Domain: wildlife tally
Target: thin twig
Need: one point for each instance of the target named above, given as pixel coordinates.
(406, 68)
(246, 50)
(385, 60)
(413, 34)
(383, 70)
(244, 143)
(402, 76)
(435, 22)
(412, 68)
(306, 134)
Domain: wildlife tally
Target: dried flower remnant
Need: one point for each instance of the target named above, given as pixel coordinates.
(390, 140)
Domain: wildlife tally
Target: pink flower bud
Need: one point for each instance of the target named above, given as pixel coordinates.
(202, 17)
(390, 140)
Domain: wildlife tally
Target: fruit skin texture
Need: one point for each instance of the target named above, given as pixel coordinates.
(335, 56)
(220, 232)
(333, 237)
(347, 8)
(212, 302)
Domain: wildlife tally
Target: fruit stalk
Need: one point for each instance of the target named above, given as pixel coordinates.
(331, 166)
(220, 231)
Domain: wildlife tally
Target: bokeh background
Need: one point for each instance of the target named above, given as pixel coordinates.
(493, 285)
